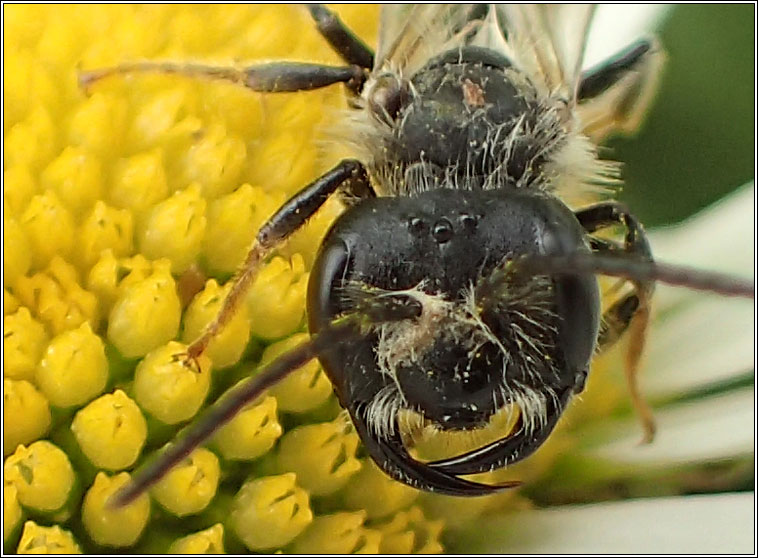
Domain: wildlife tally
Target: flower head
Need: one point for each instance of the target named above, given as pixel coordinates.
(127, 208)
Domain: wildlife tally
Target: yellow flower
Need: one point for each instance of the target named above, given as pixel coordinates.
(42, 475)
(127, 208)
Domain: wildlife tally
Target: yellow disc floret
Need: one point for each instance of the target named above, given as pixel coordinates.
(24, 340)
(17, 257)
(227, 348)
(191, 485)
(251, 433)
(146, 315)
(340, 533)
(208, 541)
(169, 389)
(215, 161)
(104, 228)
(42, 475)
(46, 213)
(139, 182)
(305, 389)
(38, 539)
(322, 455)
(19, 186)
(56, 297)
(26, 414)
(233, 222)
(276, 301)
(99, 123)
(108, 525)
(174, 229)
(111, 431)
(373, 491)
(33, 141)
(74, 368)
(269, 512)
(76, 176)
(12, 512)
(409, 532)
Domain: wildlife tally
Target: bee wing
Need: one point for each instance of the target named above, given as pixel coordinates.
(546, 42)
(411, 34)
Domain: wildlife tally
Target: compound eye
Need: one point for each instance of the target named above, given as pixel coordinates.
(388, 96)
(329, 270)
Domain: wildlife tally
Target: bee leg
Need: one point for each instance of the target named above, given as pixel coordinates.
(607, 214)
(275, 77)
(390, 455)
(602, 77)
(343, 41)
(349, 175)
(509, 450)
(632, 312)
(613, 95)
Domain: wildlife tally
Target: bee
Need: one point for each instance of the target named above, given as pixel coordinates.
(458, 281)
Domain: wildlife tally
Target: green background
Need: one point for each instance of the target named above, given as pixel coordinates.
(698, 140)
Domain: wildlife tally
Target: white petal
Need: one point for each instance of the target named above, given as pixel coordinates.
(722, 524)
(719, 238)
(698, 339)
(708, 429)
(706, 341)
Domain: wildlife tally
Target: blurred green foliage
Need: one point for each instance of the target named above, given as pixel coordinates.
(698, 141)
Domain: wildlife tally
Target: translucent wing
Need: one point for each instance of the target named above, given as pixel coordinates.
(411, 34)
(546, 42)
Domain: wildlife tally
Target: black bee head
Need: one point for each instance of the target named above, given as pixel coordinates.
(486, 334)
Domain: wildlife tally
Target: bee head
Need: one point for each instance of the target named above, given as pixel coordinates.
(485, 334)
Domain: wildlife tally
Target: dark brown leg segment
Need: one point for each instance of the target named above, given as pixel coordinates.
(276, 77)
(632, 312)
(343, 41)
(349, 174)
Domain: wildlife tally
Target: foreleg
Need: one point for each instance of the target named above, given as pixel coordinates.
(349, 175)
(632, 312)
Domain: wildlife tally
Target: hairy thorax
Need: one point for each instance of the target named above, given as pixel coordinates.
(465, 120)
(470, 120)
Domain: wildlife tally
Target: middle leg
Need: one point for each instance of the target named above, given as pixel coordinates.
(614, 95)
(274, 77)
(339, 36)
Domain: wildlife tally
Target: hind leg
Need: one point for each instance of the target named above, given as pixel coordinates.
(613, 96)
